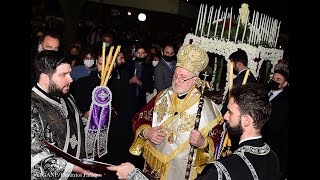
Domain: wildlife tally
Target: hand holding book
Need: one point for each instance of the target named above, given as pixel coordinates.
(86, 164)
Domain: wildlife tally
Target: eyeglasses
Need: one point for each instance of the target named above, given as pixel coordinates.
(181, 78)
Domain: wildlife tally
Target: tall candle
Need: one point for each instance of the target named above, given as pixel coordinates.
(259, 29)
(251, 26)
(268, 30)
(201, 16)
(235, 38)
(103, 60)
(245, 27)
(230, 24)
(277, 34)
(224, 22)
(254, 28)
(217, 21)
(264, 28)
(210, 10)
(231, 75)
(111, 65)
(274, 32)
(106, 68)
(195, 33)
(215, 15)
(204, 19)
(210, 20)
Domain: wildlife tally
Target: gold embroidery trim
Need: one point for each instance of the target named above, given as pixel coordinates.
(162, 108)
(138, 143)
(180, 107)
(194, 99)
(161, 162)
(188, 122)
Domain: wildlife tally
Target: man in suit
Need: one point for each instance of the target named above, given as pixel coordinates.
(48, 41)
(164, 70)
(275, 131)
(248, 111)
(240, 61)
(140, 78)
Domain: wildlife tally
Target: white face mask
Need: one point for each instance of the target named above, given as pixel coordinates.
(154, 63)
(88, 63)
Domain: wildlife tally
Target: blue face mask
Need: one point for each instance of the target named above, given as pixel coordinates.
(107, 44)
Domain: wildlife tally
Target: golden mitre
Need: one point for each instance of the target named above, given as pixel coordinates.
(192, 58)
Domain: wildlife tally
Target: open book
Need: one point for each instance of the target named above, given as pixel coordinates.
(88, 164)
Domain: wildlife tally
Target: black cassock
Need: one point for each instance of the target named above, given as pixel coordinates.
(257, 159)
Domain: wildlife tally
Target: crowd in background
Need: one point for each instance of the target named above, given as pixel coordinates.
(156, 51)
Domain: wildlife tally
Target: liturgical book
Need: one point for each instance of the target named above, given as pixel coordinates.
(88, 164)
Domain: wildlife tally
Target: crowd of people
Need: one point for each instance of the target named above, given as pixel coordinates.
(156, 105)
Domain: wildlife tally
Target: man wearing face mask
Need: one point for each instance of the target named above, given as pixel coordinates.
(85, 69)
(107, 38)
(141, 77)
(163, 72)
(275, 131)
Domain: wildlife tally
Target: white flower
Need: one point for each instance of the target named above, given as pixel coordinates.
(225, 48)
(244, 11)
